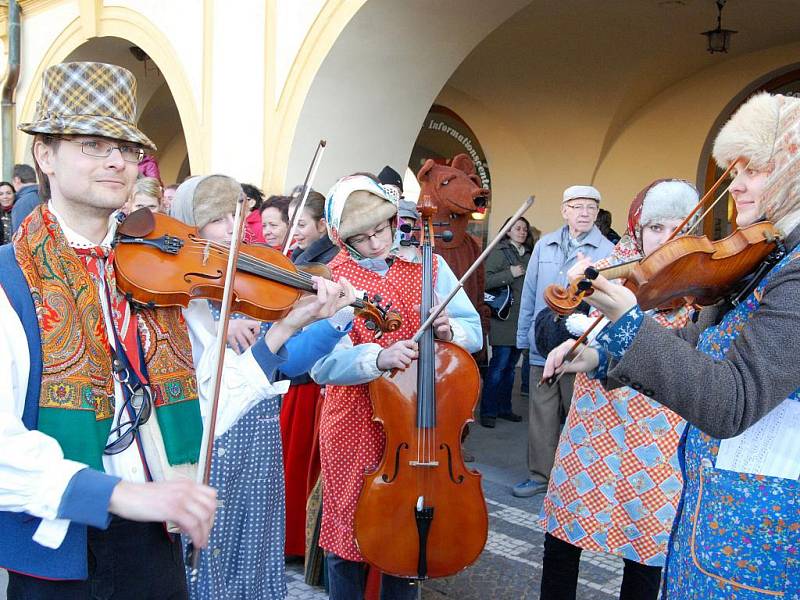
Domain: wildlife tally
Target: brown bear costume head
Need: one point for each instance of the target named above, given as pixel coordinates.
(456, 191)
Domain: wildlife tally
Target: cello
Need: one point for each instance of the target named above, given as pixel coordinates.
(422, 495)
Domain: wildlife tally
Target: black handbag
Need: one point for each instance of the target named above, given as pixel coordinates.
(500, 299)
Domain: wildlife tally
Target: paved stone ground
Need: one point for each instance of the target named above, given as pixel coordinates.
(511, 564)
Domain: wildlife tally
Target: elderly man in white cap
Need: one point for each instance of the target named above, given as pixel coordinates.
(552, 257)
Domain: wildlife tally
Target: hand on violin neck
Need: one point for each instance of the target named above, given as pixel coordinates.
(399, 355)
(611, 299)
(583, 360)
(578, 270)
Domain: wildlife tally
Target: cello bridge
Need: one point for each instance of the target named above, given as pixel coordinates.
(427, 463)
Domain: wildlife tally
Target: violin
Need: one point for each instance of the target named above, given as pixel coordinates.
(160, 261)
(687, 267)
(684, 269)
(422, 496)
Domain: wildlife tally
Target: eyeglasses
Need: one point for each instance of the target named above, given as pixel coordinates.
(139, 403)
(102, 149)
(362, 239)
(590, 208)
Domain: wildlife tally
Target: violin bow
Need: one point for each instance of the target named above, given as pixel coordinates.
(207, 445)
(573, 353)
(298, 209)
(509, 224)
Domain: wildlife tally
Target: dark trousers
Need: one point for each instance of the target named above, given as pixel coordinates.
(347, 580)
(499, 381)
(525, 372)
(560, 574)
(127, 561)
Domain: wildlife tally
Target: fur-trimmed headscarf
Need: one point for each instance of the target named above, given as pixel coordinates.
(659, 201)
(662, 200)
(200, 200)
(766, 132)
(354, 205)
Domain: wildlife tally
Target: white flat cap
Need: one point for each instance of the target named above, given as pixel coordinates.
(581, 191)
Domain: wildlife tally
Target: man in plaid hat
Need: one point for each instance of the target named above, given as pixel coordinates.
(100, 410)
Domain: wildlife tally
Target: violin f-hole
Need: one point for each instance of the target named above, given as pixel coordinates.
(455, 480)
(384, 477)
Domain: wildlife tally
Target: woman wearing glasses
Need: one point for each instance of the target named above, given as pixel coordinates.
(361, 219)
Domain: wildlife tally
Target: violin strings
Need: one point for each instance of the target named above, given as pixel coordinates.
(261, 267)
(711, 207)
(256, 266)
(270, 272)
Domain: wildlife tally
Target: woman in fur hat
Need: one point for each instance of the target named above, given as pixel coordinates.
(361, 219)
(733, 376)
(245, 557)
(604, 495)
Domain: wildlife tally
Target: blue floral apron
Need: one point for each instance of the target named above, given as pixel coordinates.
(736, 535)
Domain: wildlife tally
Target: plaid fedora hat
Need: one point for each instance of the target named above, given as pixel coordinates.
(88, 98)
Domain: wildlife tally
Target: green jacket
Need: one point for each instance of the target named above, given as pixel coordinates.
(498, 273)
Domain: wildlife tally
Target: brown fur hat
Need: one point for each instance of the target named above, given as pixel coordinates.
(750, 133)
(766, 131)
(200, 200)
(363, 211)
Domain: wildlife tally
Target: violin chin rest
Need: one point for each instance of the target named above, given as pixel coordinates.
(139, 223)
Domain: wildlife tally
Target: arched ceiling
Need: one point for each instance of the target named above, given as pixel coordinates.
(576, 71)
(605, 60)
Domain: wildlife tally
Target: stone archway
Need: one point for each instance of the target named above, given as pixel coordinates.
(370, 113)
(117, 29)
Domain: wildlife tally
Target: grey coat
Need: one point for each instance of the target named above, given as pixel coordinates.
(549, 265)
(722, 398)
(498, 273)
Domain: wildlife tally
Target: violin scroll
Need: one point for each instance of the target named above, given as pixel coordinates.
(378, 319)
(565, 300)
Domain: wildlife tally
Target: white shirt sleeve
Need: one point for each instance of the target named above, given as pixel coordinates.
(244, 383)
(33, 471)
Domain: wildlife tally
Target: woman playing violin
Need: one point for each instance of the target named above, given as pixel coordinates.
(733, 376)
(246, 558)
(605, 494)
(362, 219)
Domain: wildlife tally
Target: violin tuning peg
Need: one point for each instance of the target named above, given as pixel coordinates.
(591, 273)
(376, 299)
(370, 325)
(584, 285)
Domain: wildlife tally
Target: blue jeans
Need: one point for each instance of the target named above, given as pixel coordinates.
(347, 579)
(496, 397)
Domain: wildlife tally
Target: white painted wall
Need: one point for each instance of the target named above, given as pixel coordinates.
(237, 97)
(381, 77)
(293, 20)
(181, 21)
